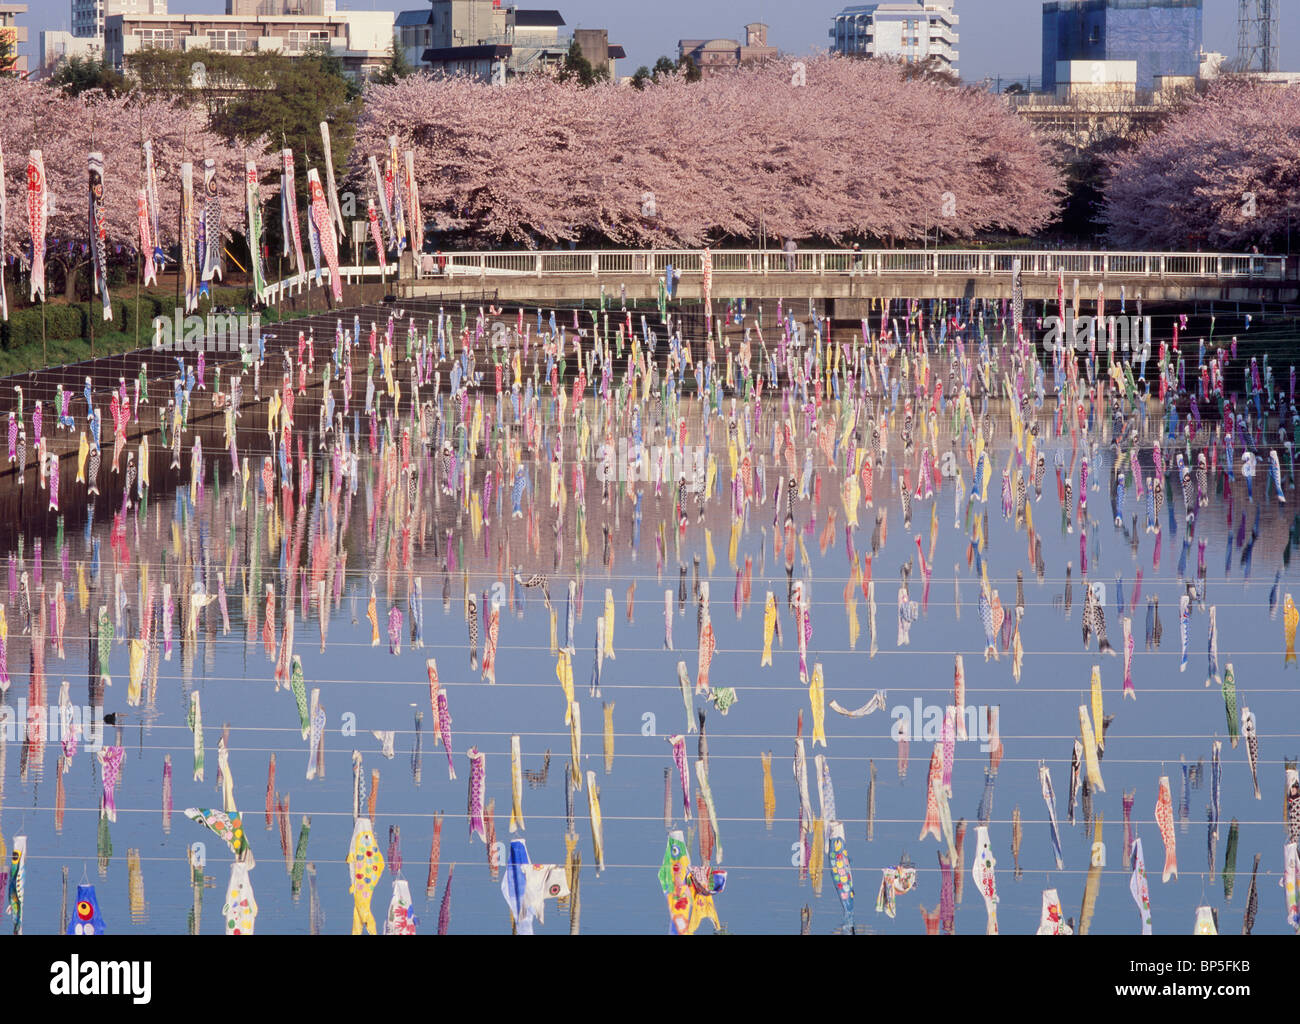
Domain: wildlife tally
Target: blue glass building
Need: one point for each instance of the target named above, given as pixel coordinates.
(1163, 36)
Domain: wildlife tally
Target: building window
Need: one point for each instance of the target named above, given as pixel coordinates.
(156, 38)
(227, 39)
(299, 41)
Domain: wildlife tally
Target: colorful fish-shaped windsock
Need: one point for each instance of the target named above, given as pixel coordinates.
(1252, 745)
(86, 916)
(678, 743)
(444, 728)
(895, 882)
(490, 647)
(240, 909)
(229, 826)
(708, 644)
(37, 216)
(365, 867)
(289, 227)
(1138, 886)
(516, 786)
(105, 645)
(1184, 615)
(253, 212)
(1051, 920)
(477, 826)
(575, 744)
(1129, 690)
(1165, 819)
(110, 759)
(99, 233)
(394, 630)
(841, 871)
(299, 689)
(769, 628)
(319, 213)
(1212, 649)
(668, 620)
(1090, 750)
(934, 784)
(471, 612)
(817, 697)
(959, 695)
(1097, 715)
(1230, 703)
(1290, 619)
(564, 673)
(597, 822)
(982, 872)
(1049, 798)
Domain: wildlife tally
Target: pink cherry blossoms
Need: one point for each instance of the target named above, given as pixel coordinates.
(828, 148)
(1223, 173)
(67, 129)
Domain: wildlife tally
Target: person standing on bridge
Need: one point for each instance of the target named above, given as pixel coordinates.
(790, 249)
(856, 270)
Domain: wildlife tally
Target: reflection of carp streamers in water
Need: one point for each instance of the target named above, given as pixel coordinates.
(378, 499)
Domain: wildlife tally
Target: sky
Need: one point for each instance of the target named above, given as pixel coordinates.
(998, 37)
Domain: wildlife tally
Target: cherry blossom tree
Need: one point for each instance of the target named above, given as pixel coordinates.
(829, 148)
(67, 129)
(1224, 173)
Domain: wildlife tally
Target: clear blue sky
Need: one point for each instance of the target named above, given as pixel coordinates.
(998, 37)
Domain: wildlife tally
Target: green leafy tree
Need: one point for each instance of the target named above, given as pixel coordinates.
(251, 97)
(398, 66)
(84, 74)
(8, 56)
(577, 68)
(664, 66)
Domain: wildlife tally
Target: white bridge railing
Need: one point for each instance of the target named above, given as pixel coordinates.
(875, 263)
(540, 264)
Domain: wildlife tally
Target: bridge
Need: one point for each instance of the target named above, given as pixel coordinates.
(847, 279)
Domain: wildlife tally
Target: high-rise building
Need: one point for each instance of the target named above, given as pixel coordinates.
(1163, 36)
(88, 15)
(912, 32)
(13, 34)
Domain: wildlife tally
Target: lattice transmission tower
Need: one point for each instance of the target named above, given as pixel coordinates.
(1257, 35)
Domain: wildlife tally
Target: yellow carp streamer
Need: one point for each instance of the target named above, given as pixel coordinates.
(817, 695)
(564, 673)
(516, 787)
(769, 791)
(1090, 750)
(1290, 619)
(769, 628)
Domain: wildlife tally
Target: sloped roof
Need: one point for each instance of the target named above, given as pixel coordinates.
(538, 19)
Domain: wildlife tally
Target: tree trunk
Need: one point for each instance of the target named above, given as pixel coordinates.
(71, 271)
